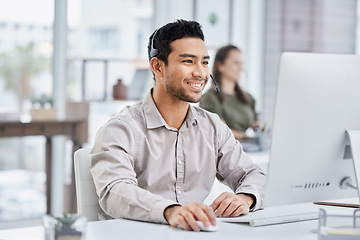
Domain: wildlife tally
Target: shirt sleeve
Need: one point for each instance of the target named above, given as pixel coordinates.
(236, 169)
(112, 168)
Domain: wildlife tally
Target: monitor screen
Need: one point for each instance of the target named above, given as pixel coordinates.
(317, 100)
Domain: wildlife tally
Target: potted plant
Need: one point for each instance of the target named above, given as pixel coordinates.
(68, 227)
(42, 108)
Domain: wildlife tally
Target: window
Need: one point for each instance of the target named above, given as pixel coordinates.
(25, 70)
(105, 39)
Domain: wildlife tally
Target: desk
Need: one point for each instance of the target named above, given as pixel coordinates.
(76, 129)
(127, 229)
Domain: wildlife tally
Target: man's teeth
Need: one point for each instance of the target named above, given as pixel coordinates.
(195, 84)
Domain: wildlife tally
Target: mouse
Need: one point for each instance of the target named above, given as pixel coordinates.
(211, 228)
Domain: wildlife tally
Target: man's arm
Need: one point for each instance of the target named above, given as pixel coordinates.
(112, 167)
(241, 174)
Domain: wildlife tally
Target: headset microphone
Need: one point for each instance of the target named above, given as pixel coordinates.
(153, 51)
(216, 86)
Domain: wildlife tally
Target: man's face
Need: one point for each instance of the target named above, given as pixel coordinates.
(187, 71)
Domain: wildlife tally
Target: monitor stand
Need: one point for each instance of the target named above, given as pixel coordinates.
(354, 137)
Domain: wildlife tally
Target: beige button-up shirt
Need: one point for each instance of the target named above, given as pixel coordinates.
(140, 165)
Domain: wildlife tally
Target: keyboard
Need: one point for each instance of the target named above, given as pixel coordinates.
(278, 214)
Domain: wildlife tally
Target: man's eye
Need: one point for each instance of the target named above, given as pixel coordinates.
(206, 63)
(187, 61)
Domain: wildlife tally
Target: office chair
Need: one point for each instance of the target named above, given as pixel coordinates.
(87, 199)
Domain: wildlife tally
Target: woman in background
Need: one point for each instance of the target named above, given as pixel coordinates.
(233, 105)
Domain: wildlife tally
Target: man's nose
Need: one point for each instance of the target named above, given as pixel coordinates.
(200, 71)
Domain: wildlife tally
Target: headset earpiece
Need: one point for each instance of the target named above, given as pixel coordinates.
(153, 51)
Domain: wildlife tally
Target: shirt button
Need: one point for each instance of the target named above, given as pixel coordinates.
(180, 162)
(179, 192)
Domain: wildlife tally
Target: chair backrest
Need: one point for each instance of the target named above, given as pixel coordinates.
(87, 199)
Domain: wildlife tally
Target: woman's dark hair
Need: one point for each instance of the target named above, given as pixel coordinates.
(220, 57)
(171, 32)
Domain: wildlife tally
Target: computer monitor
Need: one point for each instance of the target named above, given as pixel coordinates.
(317, 100)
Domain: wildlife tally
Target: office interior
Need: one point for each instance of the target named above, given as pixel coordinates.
(62, 59)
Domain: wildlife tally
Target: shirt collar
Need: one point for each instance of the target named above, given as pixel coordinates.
(154, 119)
(191, 117)
(152, 116)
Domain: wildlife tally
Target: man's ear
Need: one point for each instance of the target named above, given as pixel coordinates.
(157, 66)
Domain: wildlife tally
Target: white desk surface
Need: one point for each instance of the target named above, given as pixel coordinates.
(135, 230)
(127, 229)
(117, 229)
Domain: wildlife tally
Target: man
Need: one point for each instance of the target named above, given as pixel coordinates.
(157, 160)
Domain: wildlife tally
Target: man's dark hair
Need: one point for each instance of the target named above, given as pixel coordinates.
(171, 32)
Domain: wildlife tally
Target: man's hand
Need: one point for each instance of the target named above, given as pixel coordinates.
(187, 215)
(232, 205)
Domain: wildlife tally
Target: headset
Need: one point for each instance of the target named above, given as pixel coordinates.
(154, 52)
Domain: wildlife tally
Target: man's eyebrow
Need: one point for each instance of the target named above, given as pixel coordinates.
(185, 55)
